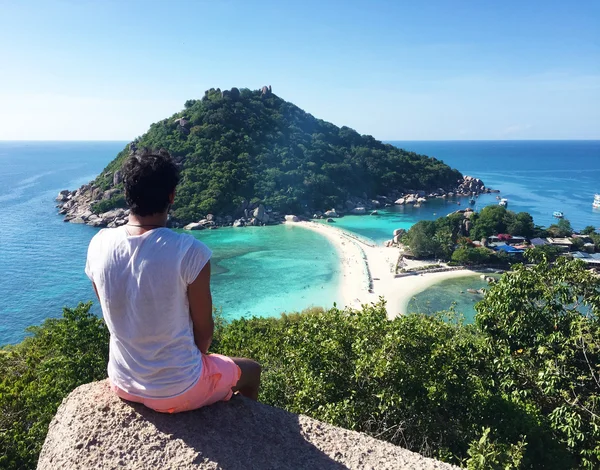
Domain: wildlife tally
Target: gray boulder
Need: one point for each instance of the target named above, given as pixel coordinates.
(358, 211)
(331, 213)
(291, 218)
(117, 178)
(260, 214)
(194, 226)
(93, 430)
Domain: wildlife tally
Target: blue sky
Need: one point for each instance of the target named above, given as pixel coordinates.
(405, 70)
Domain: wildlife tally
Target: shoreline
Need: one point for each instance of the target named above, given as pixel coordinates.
(368, 271)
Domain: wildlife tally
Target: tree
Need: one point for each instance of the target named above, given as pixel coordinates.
(542, 325)
(589, 230)
(522, 225)
(548, 252)
(472, 256)
(561, 229)
(491, 220)
(424, 242)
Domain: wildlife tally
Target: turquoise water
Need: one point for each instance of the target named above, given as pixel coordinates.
(380, 228)
(258, 271)
(451, 293)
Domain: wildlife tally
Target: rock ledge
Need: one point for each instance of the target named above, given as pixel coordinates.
(93, 429)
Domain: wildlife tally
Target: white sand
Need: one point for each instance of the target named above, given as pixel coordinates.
(359, 258)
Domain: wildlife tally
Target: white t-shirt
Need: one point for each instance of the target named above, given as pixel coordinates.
(142, 283)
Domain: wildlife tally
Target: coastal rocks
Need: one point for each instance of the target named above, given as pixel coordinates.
(331, 213)
(400, 201)
(330, 221)
(471, 186)
(291, 218)
(194, 226)
(239, 223)
(358, 211)
(260, 214)
(109, 193)
(63, 195)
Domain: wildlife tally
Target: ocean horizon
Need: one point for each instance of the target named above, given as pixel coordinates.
(258, 271)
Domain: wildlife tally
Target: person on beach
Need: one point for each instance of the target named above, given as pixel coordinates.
(154, 288)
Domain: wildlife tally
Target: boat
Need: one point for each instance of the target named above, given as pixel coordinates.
(503, 202)
(472, 201)
(558, 214)
(596, 203)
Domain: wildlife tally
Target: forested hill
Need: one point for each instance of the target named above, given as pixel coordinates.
(241, 145)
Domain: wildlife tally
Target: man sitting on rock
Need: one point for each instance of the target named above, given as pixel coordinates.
(154, 288)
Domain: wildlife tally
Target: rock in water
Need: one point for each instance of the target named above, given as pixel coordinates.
(93, 429)
(194, 226)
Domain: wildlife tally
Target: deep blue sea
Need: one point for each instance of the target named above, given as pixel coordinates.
(258, 271)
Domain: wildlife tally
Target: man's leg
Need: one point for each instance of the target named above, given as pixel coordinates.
(249, 382)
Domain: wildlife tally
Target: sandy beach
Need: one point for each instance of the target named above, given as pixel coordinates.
(368, 271)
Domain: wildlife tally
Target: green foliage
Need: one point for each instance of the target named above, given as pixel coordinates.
(255, 146)
(542, 328)
(434, 239)
(38, 373)
(521, 224)
(116, 201)
(538, 253)
(518, 389)
(561, 229)
(473, 256)
(589, 230)
(493, 220)
(485, 454)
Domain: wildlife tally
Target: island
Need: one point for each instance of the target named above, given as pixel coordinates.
(248, 157)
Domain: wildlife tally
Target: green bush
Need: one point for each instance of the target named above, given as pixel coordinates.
(115, 202)
(37, 374)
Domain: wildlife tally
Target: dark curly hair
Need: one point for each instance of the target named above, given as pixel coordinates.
(149, 178)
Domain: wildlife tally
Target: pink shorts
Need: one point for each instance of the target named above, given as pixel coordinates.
(219, 375)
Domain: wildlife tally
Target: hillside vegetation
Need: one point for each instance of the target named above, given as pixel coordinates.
(518, 389)
(243, 145)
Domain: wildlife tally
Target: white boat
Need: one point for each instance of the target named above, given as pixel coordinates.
(596, 203)
(503, 202)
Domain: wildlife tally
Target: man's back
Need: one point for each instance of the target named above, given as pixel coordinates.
(142, 284)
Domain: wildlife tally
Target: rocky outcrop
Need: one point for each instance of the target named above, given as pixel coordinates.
(291, 218)
(266, 91)
(93, 429)
(194, 226)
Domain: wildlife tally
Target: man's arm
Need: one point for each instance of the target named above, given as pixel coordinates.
(96, 290)
(200, 300)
